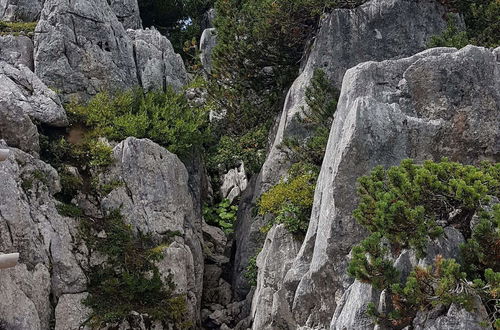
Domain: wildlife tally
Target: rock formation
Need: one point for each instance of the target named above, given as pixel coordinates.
(207, 43)
(20, 10)
(389, 111)
(24, 99)
(158, 66)
(82, 48)
(347, 37)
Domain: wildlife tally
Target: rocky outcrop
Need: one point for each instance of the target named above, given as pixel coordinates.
(17, 50)
(31, 225)
(23, 98)
(81, 48)
(234, 182)
(71, 313)
(438, 103)
(20, 10)
(347, 37)
(276, 258)
(155, 199)
(158, 66)
(127, 12)
(454, 318)
(207, 43)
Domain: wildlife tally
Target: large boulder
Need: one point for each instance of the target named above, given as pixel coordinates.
(20, 10)
(438, 103)
(158, 66)
(17, 50)
(81, 48)
(24, 98)
(154, 198)
(346, 38)
(31, 225)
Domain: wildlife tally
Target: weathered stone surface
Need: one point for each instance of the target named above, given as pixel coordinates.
(36, 99)
(346, 37)
(155, 199)
(438, 103)
(234, 183)
(81, 48)
(273, 262)
(17, 50)
(71, 312)
(31, 225)
(455, 318)
(127, 12)
(20, 10)
(207, 43)
(208, 19)
(24, 97)
(158, 66)
(351, 310)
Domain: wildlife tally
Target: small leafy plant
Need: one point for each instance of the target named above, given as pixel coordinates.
(129, 279)
(222, 215)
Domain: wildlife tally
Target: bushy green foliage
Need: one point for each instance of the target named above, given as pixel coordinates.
(404, 207)
(405, 202)
(482, 23)
(482, 249)
(260, 44)
(321, 100)
(248, 148)
(69, 210)
(451, 37)
(377, 269)
(222, 215)
(291, 200)
(252, 270)
(17, 28)
(166, 118)
(129, 279)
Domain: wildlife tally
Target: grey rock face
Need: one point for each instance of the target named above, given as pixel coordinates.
(347, 37)
(127, 12)
(71, 312)
(351, 310)
(24, 97)
(81, 48)
(17, 50)
(455, 318)
(438, 103)
(155, 199)
(158, 66)
(31, 225)
(276, 258)
(20, 10)
(38, 101)
(207, 43)
(234, 183)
